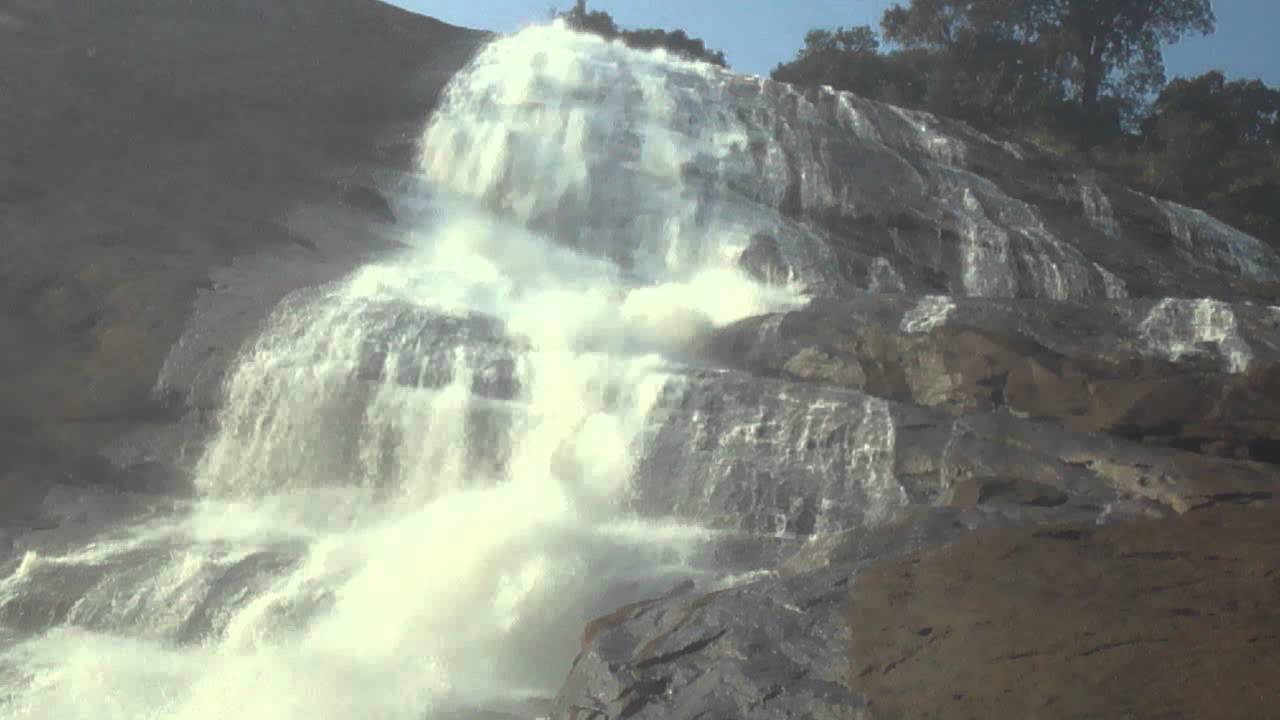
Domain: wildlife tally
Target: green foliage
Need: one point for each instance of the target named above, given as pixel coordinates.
(845, 58)
(1114, 45)
(981, 77)
(598, 22)
(1218, 140)
(1103, 55)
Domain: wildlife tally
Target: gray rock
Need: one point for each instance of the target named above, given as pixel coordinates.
(133, 166)
(732, 450)
(1199, 375)
(766, 650)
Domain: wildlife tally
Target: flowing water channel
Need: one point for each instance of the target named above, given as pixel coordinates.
(422, 478)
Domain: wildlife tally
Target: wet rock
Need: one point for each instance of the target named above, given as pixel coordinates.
(766, 650)
(805, 459)
(953, 211)
(367, 200)
(763, 260)
(1195, 375)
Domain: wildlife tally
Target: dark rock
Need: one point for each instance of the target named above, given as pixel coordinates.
(368, 201)
(986, 491)
(144, 144)
(22, 493)
(763, 261)
(766, 650)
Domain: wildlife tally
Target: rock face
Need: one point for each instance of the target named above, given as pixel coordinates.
(999, 343)
(924, 205)
(145, 144)
(1194, 374)
(1173, 619)
(806, 460)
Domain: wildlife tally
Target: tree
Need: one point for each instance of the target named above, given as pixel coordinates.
(1118, 41)
(844, 58)
(599, 22)
(854, 40)
(1217, 142)
(1088, 47)
(987, 62)
(978, 76)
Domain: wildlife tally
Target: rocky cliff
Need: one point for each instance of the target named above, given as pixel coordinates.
(1014, 455)
(144, 145)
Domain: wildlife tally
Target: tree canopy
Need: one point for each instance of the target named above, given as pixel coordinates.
(1219, 141)
(1103, 55)
(599, 22)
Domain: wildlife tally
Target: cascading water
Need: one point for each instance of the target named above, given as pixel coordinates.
(418, 489)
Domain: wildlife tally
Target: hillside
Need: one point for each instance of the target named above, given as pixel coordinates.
(143, 143)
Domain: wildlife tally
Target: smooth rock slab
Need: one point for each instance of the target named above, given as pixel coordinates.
(1174, 619)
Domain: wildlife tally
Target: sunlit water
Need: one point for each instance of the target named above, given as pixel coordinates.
(418, 487)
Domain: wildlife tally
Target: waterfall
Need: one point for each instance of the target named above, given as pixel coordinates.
(419, 485)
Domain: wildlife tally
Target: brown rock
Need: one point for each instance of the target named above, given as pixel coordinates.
(973, 491)
(1172, 619)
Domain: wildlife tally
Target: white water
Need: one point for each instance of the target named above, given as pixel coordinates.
(1178, 328)
(417, 491)
(930, 312)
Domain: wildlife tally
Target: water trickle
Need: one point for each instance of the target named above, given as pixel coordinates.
(1007, 251)
(1205, 239)
(883, 278)
(930, 312)
(932, 142)
(1179, 328)
(799, 460)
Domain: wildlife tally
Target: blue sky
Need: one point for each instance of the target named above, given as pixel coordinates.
(771, 31)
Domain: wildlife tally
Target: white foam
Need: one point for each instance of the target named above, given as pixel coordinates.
(930, 312)
(1097, 209)
(1179, 328)
(672, 166)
